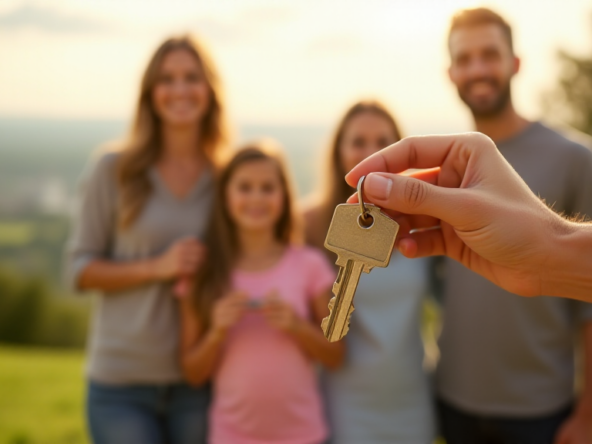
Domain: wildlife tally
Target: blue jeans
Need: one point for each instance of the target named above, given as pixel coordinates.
(459, 427)
(147, 414)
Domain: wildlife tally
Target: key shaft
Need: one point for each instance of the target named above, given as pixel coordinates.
(335, 326)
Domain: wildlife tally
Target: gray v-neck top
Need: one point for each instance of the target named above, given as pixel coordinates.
(134, 333)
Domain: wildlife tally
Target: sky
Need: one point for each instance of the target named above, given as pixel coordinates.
(282, 61)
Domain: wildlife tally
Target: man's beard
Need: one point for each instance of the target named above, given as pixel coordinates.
(492, 108)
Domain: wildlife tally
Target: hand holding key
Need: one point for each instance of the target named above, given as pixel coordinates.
(363, 238)
(490, 220)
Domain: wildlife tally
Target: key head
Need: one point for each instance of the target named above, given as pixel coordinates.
(351, 239)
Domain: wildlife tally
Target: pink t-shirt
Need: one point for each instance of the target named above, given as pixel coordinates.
(265, 388)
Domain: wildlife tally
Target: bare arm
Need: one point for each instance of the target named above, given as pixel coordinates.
(181, 259)
(116, 276)
(569, 268)
(200, 351)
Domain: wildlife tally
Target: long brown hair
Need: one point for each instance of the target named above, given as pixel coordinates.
(143, 145)
(335, 190)
(213, 278)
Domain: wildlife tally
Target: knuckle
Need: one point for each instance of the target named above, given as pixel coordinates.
(480, 140)
(415, 193)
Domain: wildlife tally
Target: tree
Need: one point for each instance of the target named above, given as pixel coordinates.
(571, 100)
(31, 314)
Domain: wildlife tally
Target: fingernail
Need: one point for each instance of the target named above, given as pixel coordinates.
(377, 186)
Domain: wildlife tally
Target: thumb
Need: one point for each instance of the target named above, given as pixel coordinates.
(409, 195)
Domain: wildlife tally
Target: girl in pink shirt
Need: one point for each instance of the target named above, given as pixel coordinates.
(253, 325)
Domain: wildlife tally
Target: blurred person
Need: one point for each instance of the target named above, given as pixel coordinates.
(253, 325)
(381, 394)
(143, 209)
(506, 370)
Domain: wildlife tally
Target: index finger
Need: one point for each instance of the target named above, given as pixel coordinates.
(411, 152)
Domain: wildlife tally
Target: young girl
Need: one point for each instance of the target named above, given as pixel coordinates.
(254, 323)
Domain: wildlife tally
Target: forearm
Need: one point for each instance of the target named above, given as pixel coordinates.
(116, 276)
(199, 362)
(569, 269)
(311, 339)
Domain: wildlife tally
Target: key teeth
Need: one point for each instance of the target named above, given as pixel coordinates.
(325, 322)
(331, 304)
(346, 328)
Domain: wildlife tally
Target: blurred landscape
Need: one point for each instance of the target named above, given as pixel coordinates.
(41, 162)
(42, 396)
(282, 64)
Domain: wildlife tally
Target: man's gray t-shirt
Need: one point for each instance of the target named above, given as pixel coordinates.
(506, 355)
(135, 333)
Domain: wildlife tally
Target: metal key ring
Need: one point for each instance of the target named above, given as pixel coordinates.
(361, 198)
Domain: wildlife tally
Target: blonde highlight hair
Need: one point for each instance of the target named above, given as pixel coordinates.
(335, 190)
(143, 146)
(213, 278)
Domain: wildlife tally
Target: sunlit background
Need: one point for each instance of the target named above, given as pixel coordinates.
(286, 62)
(69, 74)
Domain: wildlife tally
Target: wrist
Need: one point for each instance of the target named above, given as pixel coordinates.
(217, 335)
(568, 270)
(149, 270)
(296, 326)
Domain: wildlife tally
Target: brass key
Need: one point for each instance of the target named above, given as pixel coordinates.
(363, 238)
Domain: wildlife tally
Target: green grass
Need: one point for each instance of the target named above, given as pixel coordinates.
(41, 396)
(16, 233)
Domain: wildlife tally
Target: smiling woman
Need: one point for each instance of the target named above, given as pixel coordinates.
(180, 87)
(143, 209)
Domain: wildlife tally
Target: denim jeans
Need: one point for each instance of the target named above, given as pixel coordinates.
(459, 427)
(147, 414)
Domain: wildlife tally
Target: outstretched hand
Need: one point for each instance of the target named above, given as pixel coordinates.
(487, 217)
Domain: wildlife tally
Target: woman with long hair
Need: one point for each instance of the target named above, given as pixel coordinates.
(381, 393)
(143, 210)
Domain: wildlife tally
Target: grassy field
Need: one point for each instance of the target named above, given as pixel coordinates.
(41, 396)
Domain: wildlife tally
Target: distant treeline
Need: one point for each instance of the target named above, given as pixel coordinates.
(31, 314)
(33, 244)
